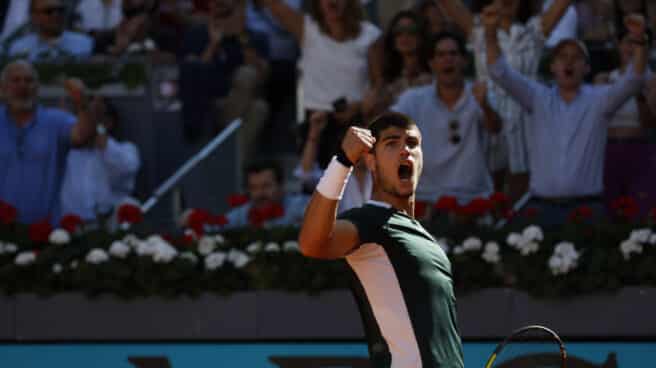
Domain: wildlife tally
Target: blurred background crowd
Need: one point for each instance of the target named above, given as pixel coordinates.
(299, 73)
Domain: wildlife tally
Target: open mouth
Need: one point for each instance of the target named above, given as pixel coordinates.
(405, 171)
(569, 72)
(449, 70)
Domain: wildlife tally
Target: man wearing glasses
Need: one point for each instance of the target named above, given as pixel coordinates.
(50, 39)
(455, 119)
(568, 122)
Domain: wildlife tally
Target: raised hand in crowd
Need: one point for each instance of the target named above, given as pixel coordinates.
(126, 32)
(492, 121)
(479, 90)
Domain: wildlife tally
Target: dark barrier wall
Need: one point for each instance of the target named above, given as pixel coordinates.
(268, 315)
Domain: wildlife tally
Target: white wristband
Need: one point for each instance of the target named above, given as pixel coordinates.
(334, 179)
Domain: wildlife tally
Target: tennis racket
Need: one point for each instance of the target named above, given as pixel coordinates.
(532, 346)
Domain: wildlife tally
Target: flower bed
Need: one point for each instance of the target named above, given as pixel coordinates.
(578, 258)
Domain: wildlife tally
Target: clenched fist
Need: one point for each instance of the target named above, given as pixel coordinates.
(357, 142)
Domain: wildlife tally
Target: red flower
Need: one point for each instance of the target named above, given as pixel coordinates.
(129, 213)
(71, 223)
(258, 216)
(652, 214)
(477, 207)
(447, 204)
(420, 209)
(39, 232)
(219, 220)
(236, 200)
(8, 213)
(197, 220)
(530, 212)
(509, 214)
(499, 198)
(580, 214)
(625, 207)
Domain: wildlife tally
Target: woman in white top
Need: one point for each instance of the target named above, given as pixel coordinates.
(630, 167)
(521, 37)
(334, 41)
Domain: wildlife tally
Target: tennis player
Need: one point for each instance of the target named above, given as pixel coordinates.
(403, 281)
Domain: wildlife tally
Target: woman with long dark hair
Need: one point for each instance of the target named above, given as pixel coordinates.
(399, 61)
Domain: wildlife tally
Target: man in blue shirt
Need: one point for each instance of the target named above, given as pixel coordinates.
(568, 122)
(269, 205)
(455, 119)
(50, 39)
(34, 142)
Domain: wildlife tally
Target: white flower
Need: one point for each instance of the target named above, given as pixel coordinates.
(566, 249)
(189, 256)
(533, 232)
(119, 249)
(291, 246)
(529, 248)
(146, 248)
(59, 236)
(491, 257)
(215, 260)
(238, 258)
(11, 248)
(57, 268)
(131, 240)
(491, 253)
(640, 235)
(564, 258)
(458, 249)
(206, 245)
(272, 247)
(629, 247)
(164, 253)
(652, 239)
(219, 239)
(97, 256)
(472, 243)
(73, 264)
(25, 258)
(513, 239)
(254, 247)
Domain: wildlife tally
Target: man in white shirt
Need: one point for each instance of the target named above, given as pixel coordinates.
(102, 174)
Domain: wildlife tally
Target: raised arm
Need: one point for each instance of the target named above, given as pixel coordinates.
(551, 17)
(322, 235)
(632, 80)
(85, 127)
(459, 14)
(491, 119)
(290, 18)
(518, 86)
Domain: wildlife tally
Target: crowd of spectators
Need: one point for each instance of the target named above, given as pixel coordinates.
(505, 92)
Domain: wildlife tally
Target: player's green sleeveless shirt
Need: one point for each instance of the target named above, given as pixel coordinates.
(404, 289)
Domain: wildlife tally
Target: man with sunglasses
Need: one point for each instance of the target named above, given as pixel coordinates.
(567, 123)
(50, 39)
(455, 119)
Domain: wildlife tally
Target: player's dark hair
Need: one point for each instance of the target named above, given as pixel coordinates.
(389, 119)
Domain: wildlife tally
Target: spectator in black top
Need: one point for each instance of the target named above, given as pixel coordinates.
(223, 65)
